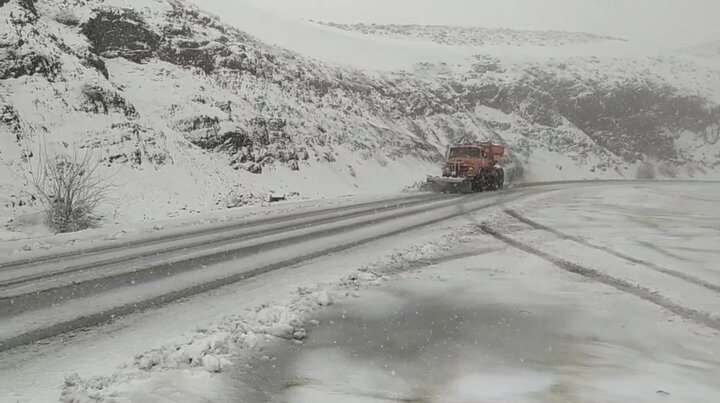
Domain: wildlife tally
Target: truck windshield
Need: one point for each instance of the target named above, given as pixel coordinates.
(465, 152)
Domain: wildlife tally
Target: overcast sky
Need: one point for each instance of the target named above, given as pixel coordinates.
(671, 22)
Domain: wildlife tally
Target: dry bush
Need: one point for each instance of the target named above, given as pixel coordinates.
(70, 190)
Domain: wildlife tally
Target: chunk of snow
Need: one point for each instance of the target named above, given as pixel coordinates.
(323, 298)
(250, 340)
(72, 379)
(148, 361)
(284, 331)
(300, 334)
(212, 363)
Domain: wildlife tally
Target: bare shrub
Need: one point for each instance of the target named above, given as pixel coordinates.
(70, 190)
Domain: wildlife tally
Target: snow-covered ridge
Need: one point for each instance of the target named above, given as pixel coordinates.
(472, 36)
(189, 113)
(709, 50)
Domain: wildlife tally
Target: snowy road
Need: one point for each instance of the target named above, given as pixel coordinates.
(582, 292)
(54, 293)
(605, 294)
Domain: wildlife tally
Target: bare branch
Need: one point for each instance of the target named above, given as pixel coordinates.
(69, 189)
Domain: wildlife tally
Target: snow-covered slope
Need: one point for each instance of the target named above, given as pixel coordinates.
(473, 36)
(189, 113)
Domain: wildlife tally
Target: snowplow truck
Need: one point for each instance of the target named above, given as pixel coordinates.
(470, 168)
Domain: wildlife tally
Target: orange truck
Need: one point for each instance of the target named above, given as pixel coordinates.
(470, 168)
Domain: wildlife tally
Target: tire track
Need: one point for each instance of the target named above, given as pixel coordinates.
(699, 317)
(214, 229)
(15, 303)
(40, 331)
(650, 265)
(229, 235)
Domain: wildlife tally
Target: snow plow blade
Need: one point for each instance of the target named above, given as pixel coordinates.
(447, 185)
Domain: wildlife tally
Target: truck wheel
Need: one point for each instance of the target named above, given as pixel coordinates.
(500, 179)
(483, 182)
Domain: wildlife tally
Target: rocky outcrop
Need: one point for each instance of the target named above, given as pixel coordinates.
(166, 78)
(96, 99)
(11, 121)
(17, 63)
(121, 33)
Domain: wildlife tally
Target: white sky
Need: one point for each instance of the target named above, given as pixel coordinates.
(671, 23)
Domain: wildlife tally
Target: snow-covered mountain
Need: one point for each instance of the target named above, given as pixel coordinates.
(473, 36)
(189, 113)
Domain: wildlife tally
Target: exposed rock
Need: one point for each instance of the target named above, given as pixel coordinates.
(91, 60)
(16, 63)
(10, 119)
(121, 33)
(254, 168)
(193, 54)
(29, 5)
(197, 123)
(100, 100)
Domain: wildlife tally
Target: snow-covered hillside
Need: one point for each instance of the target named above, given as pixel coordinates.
(189, 113)
(473, 36)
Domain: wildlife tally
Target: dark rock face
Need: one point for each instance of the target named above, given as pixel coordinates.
(17, 57)
(29, 5)
(10, 119)
(100, 100)
(124, 33)
(250, 144)
(130, 143)
(16, 64)
(530, 102)
(630, 119)
(188, 53)
(198, 123)
(121, 33)
(232, 141)
(92, 60)
(261, 141)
